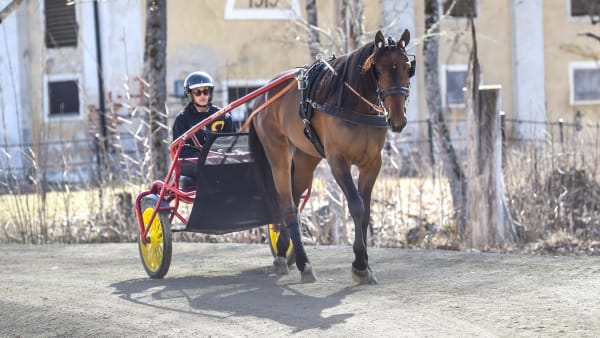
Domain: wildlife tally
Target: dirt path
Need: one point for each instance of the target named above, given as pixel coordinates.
(229, 290)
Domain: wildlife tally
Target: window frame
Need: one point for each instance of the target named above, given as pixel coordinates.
(578, 65)
(576, 17)
(227, 85)
(444, 87)
(44, 25)
(62, 117)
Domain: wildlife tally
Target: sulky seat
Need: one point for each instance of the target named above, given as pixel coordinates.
(228, 197)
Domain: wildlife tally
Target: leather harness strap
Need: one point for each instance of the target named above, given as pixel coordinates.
(266, 103)
(378, 121)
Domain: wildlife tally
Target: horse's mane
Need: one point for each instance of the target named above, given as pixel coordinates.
(357, 63)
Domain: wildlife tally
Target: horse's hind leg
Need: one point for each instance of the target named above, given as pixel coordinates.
(280, 264)
(302, 169)
(279, 157)
(302, 174)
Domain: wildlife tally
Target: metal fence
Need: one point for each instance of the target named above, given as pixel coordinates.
(83, 161)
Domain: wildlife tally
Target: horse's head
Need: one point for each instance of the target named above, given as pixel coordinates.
(392, 68)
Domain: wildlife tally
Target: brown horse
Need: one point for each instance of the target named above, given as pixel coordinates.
(354, 99)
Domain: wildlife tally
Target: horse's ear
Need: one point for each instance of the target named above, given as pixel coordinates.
(379, 40)
(404, 40)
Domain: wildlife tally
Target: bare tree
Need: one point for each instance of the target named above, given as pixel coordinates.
(314, 42)
(594, 11)
(441, 134)
(390, 13)
(351, 24)
(156, 93)
(11, 7)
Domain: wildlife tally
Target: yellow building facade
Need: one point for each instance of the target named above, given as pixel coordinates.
(538, 51)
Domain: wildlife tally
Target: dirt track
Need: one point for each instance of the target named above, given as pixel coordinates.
(230, 290)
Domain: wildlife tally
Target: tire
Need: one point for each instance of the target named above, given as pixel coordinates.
(156, 254)
(272, 236)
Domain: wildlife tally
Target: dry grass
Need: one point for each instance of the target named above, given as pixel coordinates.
(85, 215)
(552, 191)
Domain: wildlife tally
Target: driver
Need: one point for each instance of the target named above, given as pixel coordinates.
(198, 87)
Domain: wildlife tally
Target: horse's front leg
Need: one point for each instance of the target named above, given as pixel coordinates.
(360, 267)
(366, 181)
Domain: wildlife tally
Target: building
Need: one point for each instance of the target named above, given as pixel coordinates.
(60, 58)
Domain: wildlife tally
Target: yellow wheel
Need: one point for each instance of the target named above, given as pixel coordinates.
(273, 237)
(156, 253)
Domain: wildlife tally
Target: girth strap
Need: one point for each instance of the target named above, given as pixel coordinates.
(378, 121)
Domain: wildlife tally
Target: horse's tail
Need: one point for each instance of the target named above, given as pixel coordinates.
(263, 173)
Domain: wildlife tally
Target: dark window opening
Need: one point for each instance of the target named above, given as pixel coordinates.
(455, 82)
(242, 112)
(462, 9)
(63, 97)
(234, 93)
(61, 24)
(585, 7)
(586, 85)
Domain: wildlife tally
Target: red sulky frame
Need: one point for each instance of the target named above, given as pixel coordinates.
(168, 190)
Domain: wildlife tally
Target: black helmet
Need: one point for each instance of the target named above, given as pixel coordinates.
(197, 79)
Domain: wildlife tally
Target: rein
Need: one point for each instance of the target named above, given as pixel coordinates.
(373, 106)
(266, 104)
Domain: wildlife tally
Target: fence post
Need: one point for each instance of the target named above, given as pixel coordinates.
(561, 132)
(430, 140)
(503, 135)
(485, 227)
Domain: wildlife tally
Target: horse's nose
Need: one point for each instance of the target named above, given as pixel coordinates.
(397, 126)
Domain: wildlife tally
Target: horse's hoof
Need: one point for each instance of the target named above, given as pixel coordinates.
(308, 275)
(364, 276)
(280, 265)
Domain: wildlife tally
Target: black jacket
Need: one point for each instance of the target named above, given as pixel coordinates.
(189, 117)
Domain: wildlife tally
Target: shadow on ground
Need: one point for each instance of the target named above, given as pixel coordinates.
(251, 293)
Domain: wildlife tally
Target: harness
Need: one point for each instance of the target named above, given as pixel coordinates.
(308, 81)
(307, 84)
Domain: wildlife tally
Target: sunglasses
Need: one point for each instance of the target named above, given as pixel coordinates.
(199, 92)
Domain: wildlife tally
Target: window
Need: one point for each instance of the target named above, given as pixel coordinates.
(454, 80)
(63, 98)
(61, 25)
(585, 8)
(462, 8)
(236, 92)
(584, 82)
(178, 88)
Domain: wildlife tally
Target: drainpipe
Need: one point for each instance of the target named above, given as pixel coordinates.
(102, 145)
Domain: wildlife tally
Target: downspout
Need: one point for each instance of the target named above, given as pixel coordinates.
(102, 145)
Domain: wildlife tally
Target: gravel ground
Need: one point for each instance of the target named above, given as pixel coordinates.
(230, 290)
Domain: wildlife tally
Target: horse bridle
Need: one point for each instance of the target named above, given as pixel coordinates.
(380, 108)
(382, 93)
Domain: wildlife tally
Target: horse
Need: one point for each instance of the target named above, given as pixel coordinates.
(355, 99)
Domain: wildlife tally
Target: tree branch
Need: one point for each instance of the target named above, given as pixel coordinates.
(11, 7)
(590, 35)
